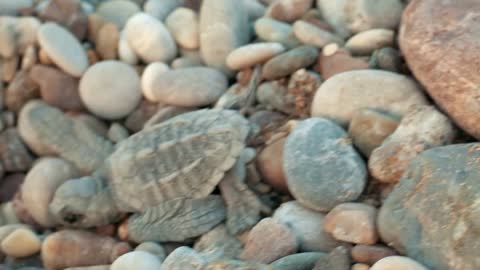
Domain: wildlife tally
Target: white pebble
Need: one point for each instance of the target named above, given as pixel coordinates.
(138, 260)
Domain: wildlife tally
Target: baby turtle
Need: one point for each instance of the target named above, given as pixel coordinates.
(164, 176)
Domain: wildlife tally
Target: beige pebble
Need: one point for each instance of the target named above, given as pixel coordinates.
(107, 41)
(397, 263)
(310, 34)
(150, 39)
(29, 58)
(21, 243)
(183, 24)
(252, 54)
(360, 266)
(6, 230)
(366, 42)
(138, 260)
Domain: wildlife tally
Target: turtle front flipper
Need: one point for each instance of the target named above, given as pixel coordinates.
(176, 220)
(243, 206)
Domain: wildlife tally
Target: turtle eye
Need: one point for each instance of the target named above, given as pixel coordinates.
(72, 218)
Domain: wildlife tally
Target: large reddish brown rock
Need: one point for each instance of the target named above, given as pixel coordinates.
(439, 40)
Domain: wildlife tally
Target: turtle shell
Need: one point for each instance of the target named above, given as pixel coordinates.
(183, 157)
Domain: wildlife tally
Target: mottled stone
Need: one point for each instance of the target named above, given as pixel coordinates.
(289, 62)
(317, 157)
(219, 241)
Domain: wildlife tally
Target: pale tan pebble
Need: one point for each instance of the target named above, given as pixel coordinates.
(8, 43)
(6, 230)
(30, 58)
(117, 11)
(44, 58)
(353, 223)
(26, 32)
(96, 267)
(160, 9)
(184, 26)
(360, 266)
(21, 243)
(310, 34)
(40, 185)
(119, 85)
(8, 214)
(288, 10)
(252, 54)
(9, 68)
(397, 263)
(138, 260)
(150, 39)
(117, 133)
(255, 9)
(364, 43)
(63, 48)
(107, 41)
(125, 51)
(151, 71)
(153, 248)
(186, 62)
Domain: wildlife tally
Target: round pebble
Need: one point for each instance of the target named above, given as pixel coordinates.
(317, 157)
(21, 243)
(310, 34)
(364, 43)
(138, 260)
(397, 263)
(358, 89)
(288, 62)
(187, 87)
(149, 38)
(183, 24)
(252, 54)
(117, 11)
(110, 89)
(63, 48)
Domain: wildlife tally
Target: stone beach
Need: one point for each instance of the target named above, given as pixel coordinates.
(239, 135)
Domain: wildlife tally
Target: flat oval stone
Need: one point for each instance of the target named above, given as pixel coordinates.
(364, 43)
(447, 30)
(117, 11)
(252, 54)
(63, 48)
(432, 215)
(322, 167)
(358, 89)
(187, 87)
(110, 89)
(288, 62)
(150, 39)
(310, 34)
(353, 16)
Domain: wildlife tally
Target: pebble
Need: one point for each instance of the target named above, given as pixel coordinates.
(360, 266)
(8, 46)
(160, 9)
(138, 260)
(184, 258)
(92, 122)
(63, 48)
(164, 113)
(337, 259)
(21, 243)
(223, 28)
(80, 248)
(14, 154)
(9, 7)
(153, 248)
(370, 127)
(299, 261)
(397, 263)
(421, 128)
(110, 89)
(288, 62)
(318, 156)
(187, 62)
(40, 185)
(387, 58)
(30, 58)
(117, 133)
(269, 163)
(358, 89)
(259, 246)
(117, 11)
(186, 87)
(107, 41)
(307, 226)
(20, 90)
(334, 60)
(25, 30)
(271, 30)
(67, 13)
(220, 242)
(255, 9)
(57, 88)
(364, 43)
(125, 51)
(274, 95)
(10, 185)
(252, 54)
(95, 22)
(144, 111)
(150, 39)
(288, 10)
(353, 223)
(452, 81)
(441, 175)
(369, 254)
(183, 24)
(310, 34)
(348, 17)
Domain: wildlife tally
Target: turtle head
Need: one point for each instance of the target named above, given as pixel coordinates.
(83, 203)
